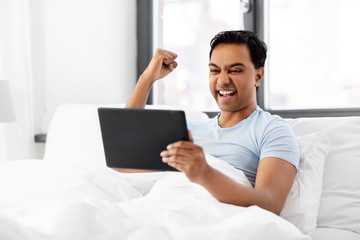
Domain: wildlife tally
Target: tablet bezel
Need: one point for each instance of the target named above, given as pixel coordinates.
(133, 138)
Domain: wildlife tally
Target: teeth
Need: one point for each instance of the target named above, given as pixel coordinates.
(225, 92)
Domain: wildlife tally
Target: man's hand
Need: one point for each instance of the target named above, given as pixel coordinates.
(162, 63)
(187, 157)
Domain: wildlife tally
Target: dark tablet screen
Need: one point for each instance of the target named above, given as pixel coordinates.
(134, 138)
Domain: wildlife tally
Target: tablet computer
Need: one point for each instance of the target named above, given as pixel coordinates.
(133, 138)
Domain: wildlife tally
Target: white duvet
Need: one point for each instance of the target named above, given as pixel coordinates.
(57, 200)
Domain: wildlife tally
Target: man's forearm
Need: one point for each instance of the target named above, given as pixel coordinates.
(140, 94)
(227, 190)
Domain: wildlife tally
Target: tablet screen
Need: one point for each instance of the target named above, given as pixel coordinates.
(134, 138)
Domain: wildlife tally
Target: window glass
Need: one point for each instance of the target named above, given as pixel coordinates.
(186, 28)
(313, 54)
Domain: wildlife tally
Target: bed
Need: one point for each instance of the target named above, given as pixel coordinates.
(71, 194)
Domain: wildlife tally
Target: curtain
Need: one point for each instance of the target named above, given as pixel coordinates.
(16, 138)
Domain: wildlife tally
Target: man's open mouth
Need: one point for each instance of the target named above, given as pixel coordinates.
(226, 93)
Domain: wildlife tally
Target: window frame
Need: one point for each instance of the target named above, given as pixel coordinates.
(254, 20)
(144, 34)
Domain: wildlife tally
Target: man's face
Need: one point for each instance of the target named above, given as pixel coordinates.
(233, 78)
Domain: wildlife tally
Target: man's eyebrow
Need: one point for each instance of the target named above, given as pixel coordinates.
(237, 64)
(230, 66)
(213, 64)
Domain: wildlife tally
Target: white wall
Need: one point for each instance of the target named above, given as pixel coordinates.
(80, 51)
(90, 52)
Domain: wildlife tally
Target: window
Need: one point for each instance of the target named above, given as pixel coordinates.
(186, 28)
(312, 58)
(313, 54)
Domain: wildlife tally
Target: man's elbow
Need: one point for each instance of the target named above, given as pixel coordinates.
(272, 203)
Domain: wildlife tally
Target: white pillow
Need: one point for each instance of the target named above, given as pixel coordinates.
(340, 196)
(302, 205)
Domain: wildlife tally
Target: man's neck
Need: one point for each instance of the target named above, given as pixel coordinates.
(230, 119)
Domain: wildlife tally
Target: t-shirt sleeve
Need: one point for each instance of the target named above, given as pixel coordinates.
(279, 141)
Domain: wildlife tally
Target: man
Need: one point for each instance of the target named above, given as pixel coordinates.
(261, 145)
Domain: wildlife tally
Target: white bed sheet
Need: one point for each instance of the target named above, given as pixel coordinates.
(59, 200)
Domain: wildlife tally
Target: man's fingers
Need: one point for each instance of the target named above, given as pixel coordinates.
(174, 55)
(177, 152)
(182, 144)
(172, 65)
(191, 139)
(175, 162)
(168, 58)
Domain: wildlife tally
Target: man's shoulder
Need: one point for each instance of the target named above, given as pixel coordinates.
(268, 117)
(267, 122)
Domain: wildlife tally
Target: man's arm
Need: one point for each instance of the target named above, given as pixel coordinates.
(162, 63)
(273, 181)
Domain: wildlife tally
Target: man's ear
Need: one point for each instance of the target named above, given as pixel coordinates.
(259, 75)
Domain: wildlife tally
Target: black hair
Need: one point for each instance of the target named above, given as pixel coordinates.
(256, 47)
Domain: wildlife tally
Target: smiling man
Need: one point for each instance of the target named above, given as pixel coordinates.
(263, 146)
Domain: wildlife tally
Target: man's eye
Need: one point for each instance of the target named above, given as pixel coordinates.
(214, 71)
(235, 71)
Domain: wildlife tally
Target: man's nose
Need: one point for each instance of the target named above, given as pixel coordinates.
(223, 79)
